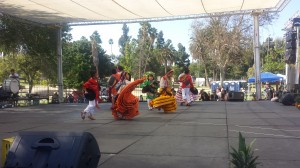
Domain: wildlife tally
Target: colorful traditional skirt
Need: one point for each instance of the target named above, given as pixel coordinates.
(179, 96)
(165, 101)
(126, 106)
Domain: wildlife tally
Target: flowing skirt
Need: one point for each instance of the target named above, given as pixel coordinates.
(165, 101)
(179, 96)
(126, 106)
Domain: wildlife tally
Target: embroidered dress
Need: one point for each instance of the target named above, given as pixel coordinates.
(179, 96)
(184, 81)
(166, 99)
(150, 87)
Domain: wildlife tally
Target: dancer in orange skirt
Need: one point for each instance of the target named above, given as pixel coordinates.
(127, 105)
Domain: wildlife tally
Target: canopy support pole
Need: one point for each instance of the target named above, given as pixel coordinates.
(59, 65)
(297, 57)
(256, 55)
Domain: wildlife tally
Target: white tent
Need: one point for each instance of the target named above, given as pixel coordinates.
(109, 11)
(283, 76)
(77, 12)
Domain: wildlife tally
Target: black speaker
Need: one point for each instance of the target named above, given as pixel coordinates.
(235, 96)
(296, 22)
(290, 45)
(288, 99)
(290, 36)
(53, 150)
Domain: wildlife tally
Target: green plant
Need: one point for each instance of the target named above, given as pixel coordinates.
(243, 157)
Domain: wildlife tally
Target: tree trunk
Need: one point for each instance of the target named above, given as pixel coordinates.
(146, 62)
(222, 75)
(30, 82)
(166, 64)
(140, 64)
(206, 78)
(198, 69)
(207, 82)
(214, 75)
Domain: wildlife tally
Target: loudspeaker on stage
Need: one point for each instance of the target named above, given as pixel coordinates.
(53, 150)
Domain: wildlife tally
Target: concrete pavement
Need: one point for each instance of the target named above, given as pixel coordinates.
(192, 137)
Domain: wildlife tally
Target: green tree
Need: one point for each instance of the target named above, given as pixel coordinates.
(105, 65)
(6, 63)
(96, 37)
(166, 55)
(31, 43)
(273, 55)
(77, 62)
(274, 62)
(200, 49)
(124, 39)
(31, 73)
(145, 41)
(223, 42)
(160, 40)
(195, 69)
(130, 60)
(181, 57)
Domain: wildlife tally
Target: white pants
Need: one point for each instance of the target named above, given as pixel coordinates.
(186, 94)
(148, 102)
(90, 109)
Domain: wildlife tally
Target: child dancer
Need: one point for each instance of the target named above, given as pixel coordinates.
(150, 88)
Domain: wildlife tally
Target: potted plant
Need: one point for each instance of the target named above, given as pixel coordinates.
(243, 157)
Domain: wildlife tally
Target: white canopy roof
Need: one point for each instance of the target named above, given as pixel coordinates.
(110, 11)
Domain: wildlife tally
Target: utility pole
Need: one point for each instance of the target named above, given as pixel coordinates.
(59, 65)
(296, 23)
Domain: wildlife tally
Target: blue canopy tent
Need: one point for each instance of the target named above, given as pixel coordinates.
(266, 77)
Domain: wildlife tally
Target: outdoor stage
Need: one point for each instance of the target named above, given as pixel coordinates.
(197, 136)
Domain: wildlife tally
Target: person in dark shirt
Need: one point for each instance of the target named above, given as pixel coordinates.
(204, 96)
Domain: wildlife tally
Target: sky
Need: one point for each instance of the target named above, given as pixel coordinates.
(179, 31)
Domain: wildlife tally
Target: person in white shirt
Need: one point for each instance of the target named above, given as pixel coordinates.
(127, 80)
(13, 74)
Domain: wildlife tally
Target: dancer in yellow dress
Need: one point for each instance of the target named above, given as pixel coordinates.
(166, 99)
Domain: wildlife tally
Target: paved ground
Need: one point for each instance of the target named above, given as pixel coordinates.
(199, 136)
